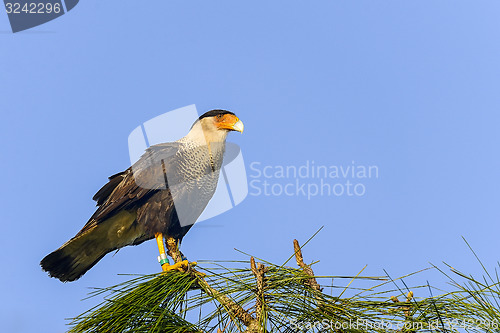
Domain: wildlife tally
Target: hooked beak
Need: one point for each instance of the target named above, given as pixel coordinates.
(238, 126)
(230, 122)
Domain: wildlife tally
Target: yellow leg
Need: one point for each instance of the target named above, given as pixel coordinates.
(163, 256)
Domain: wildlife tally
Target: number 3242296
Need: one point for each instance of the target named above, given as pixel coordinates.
(32, 8)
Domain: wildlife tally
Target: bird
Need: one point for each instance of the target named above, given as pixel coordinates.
(159, 197)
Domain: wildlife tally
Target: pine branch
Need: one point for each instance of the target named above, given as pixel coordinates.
(235, 310)
(258, 298)
(258, 271)
(307, 269)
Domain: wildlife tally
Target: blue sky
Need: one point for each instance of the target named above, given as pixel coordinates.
(411, 87)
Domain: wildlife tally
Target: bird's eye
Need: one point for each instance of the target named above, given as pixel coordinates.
(218, 117)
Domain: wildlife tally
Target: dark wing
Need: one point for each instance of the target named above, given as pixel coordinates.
(129, 189)
(107, 189)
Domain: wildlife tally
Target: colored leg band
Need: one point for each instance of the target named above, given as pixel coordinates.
(162, 259)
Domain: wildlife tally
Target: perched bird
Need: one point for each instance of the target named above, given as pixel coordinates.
(160, 196)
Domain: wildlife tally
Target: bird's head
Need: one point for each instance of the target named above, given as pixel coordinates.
(221, 120)
(215, 125)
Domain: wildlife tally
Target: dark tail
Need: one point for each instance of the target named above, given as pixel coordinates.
(75, 258)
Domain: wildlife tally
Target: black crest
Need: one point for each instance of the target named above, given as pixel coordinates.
(213, 113)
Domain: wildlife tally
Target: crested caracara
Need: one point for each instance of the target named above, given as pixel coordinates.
(160, 196)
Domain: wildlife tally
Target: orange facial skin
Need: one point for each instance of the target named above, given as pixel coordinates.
(228, 121)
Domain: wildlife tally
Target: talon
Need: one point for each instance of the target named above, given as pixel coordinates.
(180, 266)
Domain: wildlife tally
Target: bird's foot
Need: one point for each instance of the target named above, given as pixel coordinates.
(181, 266)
